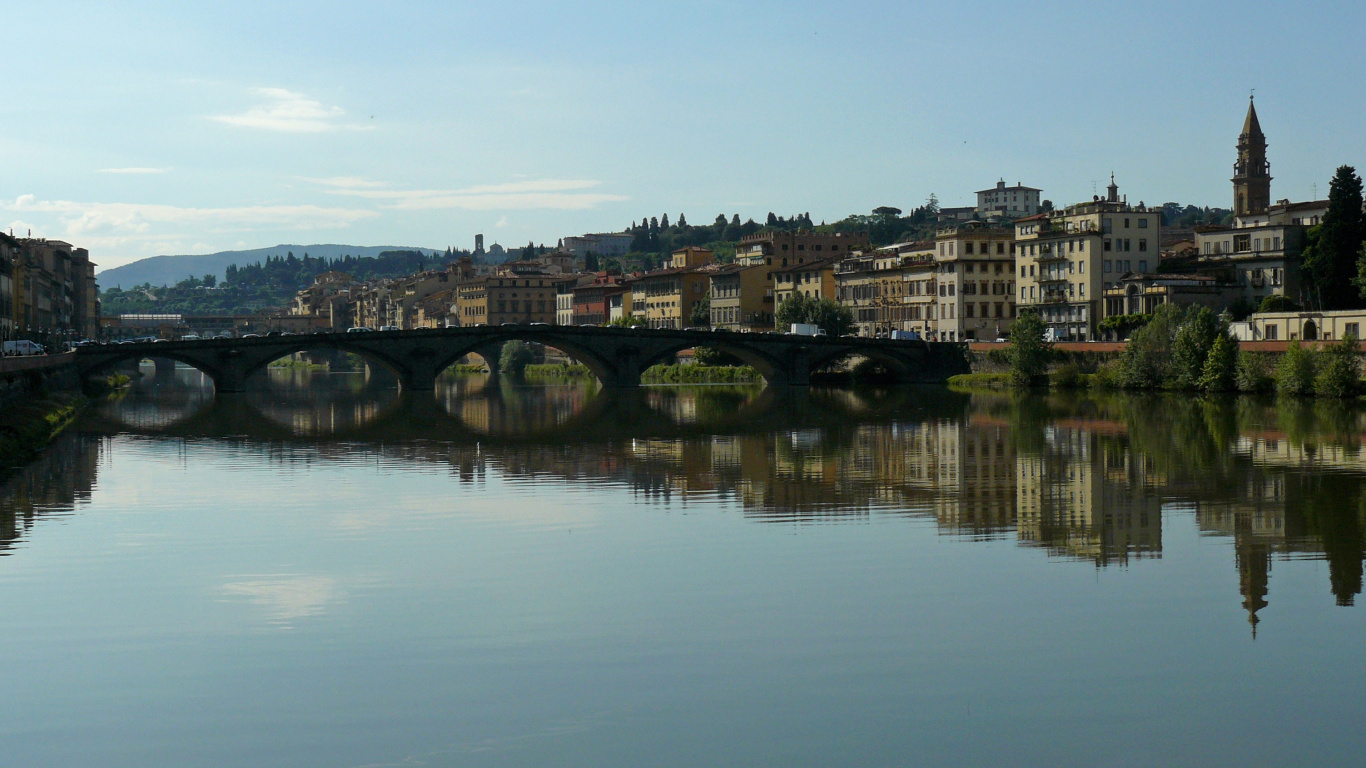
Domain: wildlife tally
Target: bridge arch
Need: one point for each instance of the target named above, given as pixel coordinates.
(116, 359)
(323, 342)
(900, 365)
(771, 367)
(604, 368)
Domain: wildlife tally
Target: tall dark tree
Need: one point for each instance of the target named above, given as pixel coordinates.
(682, 221)
(664, 221)
(771, 221)
(1331, 260)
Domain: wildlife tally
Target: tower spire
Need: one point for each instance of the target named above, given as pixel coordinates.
(1251, 172)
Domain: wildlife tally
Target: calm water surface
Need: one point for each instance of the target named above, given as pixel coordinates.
(322, 572)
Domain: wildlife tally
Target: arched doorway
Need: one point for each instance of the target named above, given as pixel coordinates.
(1311, 331)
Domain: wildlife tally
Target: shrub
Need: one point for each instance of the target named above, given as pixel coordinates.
(1338, 375)
(1295, 371)
(1067, 376)
(1146, 361)
(1251, 373)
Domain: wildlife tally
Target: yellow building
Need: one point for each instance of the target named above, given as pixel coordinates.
(742, 297)
(508, 298)
(976, 282)
(665, 298)
(1066, 259)
(814, 278)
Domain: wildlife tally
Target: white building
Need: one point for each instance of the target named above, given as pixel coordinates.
(1014, 202)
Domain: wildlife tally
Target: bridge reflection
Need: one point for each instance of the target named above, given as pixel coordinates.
(1082, 478)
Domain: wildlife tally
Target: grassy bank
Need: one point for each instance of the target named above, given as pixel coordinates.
(556, 372)
(462, 369)
(700, 374)
(27, 428)
(299, 365)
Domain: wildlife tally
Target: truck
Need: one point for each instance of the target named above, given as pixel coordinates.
(22, 348)
(905, 335)
(806, 329)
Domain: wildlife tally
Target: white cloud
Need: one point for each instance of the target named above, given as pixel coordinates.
(502, 221)
(23, 228)
(82, 218)
(118, 231)
(134, 170)
(290, 112)
(557, 194)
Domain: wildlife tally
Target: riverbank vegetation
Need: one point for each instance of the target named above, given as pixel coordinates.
(27, 428)
(1184, 350)
(700, 374)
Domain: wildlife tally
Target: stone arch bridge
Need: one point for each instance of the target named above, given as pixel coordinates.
(617, 356)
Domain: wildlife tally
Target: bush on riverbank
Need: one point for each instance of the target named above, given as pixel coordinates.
(292, 364)
(700, 374)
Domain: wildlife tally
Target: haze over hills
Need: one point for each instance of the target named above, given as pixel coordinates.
(169, 270)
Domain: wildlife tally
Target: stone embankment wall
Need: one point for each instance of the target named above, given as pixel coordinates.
(22, 378)
(990, 357)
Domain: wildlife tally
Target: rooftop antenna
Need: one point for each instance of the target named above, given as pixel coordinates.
(1316, 191)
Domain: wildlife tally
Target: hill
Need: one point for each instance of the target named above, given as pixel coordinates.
(169, 270)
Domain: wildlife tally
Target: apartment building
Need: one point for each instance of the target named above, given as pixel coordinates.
(509, 297)
(974, 282)
(49, 290)
(591, 299)
(919, 292)
(1066, 259)
(665, 298)
(742, 297)
(784, 249)
(812, 278)
(871, 285)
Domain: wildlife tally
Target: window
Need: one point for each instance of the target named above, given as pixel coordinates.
(1142, 244)
(1107, 243)
(1142, 265)
(1272, 332)
(1127, 245)
(1353, 330)
(967, 249)
(1081, 267)
(969, 313)
(1142, 223)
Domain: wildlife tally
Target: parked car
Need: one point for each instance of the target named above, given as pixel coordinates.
(190, 337)
(23, 348)
(359, 329)
(390, 328)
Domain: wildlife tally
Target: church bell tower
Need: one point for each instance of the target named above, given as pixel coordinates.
(1251, 174)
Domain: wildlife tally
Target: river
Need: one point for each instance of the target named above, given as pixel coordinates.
(325, 572)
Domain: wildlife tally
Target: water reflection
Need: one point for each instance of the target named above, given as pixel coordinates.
(1082, 478)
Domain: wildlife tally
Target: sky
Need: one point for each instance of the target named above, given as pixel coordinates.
(143, 128)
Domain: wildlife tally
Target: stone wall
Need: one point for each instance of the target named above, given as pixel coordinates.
(25, 377)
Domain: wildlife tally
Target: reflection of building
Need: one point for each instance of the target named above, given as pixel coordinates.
(1087, 498)
(61, 476)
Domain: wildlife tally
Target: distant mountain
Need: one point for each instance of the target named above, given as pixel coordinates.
(169, 270)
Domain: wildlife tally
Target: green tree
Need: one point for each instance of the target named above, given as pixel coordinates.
(517, 355)
(210, 280)
(1191, 346)
(827, 314)
(1146, 362)
(1295, 371)
(1330, 260)
(590, 262)
(1252, 373)
(1029, 353)
(1339, 374)
(628, 321)
(701, 312)
(1221, 366)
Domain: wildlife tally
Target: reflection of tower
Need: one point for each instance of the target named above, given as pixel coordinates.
(1251, 174)
(1254, 567)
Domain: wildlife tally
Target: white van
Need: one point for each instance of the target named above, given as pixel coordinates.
(23, 348)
